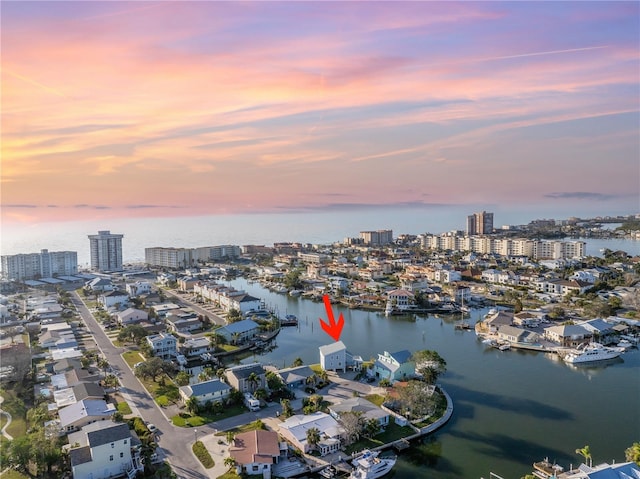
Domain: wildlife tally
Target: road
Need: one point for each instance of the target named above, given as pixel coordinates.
(174, 443)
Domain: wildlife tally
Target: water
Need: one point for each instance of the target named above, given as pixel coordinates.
(316, 227)
(511, 408)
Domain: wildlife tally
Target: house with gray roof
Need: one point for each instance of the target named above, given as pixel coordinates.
(296, 377)
(213, 390)
(568, 335)
(396, 366)
(102, 450)
(359, 405)
(82, 413)
(517, 335)
(238, 377)
(131, 316)
(333, 357)
(240, 331)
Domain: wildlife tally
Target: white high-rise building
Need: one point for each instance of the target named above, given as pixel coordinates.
(106, 251)
(19, 267)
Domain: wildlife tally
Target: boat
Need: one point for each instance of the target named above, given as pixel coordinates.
(289, 320)
(591, 353)
(368, 465)
(295, 292)
(328, 472)
(504, 347)
(625, 344)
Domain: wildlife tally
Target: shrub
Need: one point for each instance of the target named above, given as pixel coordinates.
(203, 455)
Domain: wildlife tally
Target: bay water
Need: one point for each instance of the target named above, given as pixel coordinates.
(511, 408)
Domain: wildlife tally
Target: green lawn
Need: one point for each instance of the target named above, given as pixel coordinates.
(375, 399)
(14, 406)
(203, 455)
(252, 426)
(186, 420)
(230, 475)
(11, 474)
(392, 434)
(132, 357)
(124, 408)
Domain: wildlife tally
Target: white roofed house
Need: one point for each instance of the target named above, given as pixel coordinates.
(131, 316)
(569, 335)
(115, 298)
(360, 405)
(195, 347)
(295, 430)
(163, 345)
(99, 284)
(138, 288)
(102, 450)
(333, 357)
(81, 413)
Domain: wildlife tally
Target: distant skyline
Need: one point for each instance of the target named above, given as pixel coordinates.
(144, 109)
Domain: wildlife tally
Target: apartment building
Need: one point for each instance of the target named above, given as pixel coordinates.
(377, 238)
(20, 267)
(106, 251)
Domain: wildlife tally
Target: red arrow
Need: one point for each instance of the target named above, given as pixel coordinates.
(333, 329)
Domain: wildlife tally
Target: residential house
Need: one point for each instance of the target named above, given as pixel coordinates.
(102, 450)
(77, 415)
(517, 335)
(497, 319)
(195, 347)
(396, 366)
(239, 377)
(187, 283)
(295, 428)
(138, 288)
(65, 365)
(295, 378)
(526, 319)
(359, 405)
(562, 287)
(240, 331)
(213, 390)
(163, 345)
(255, 452)
(70, 395)
(163, 309)
(333, 357)
(99, 285)
(131, 316)
(569, 335)
(623, 470)
(182, 322)
(400, 299)
(602, 331)
(112, 299)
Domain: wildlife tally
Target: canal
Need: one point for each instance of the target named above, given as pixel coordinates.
(511, 408)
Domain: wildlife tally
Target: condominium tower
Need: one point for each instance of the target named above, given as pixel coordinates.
(480, 223)
(20, 267)
(106, 251)
(377, 238)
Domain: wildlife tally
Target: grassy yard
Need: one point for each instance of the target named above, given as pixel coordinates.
(132, 357)
(14, 406)
(124, 408)
(252, 426)
(11, 474)
(392, 433)
(375, 399)
(230, 475)
(164, 394)
(186, 420)
(203, 455)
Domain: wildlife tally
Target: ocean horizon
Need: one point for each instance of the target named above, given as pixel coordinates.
(316, 227)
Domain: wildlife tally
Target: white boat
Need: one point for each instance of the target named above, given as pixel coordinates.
(369, 466)
(328, 472)
(591, 353)
(625, 344)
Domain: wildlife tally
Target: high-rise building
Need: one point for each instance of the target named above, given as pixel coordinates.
(19, 267)
(377, 238)
(106, 251)
(480, 223)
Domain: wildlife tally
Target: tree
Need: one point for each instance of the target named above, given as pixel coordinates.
(429, 364)
(311, 380)
(192, 405)
(182, 378)
(297, 362)
(274, 383)
(103, 364)
(633, 453)
(292, 279)
(230, 437)
(253, 381)
(586, 453)
(133, 333)
(230, 462)
(287, 410)
(352, 423)
(371, 428)
(234, 315)
(111, 381)
(313, 436)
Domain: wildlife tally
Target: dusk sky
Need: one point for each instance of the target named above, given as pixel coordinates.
(131, 109)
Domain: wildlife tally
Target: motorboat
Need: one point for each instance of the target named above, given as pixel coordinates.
(368, 465)
(591, 353)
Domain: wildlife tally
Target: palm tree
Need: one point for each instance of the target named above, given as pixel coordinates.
(253, 380)
(192, 405)
(324, 376)
(313, 436)
(230, 462)
(287, 410)
(586, 453)
(311, 380)
(260, 394)
(297, 362)
(234, 338)
(632, 453)
(220, 373)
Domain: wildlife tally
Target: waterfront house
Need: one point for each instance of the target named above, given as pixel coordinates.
(568, 335)
(602, 331)
(295, 428)
(163, 345)
(400, 299)
(102, 450)
(77, 415)
(526, 319)
(365, 408)
(240, 331)
(246, 377)
(183, 322)
(516, 335)
(255, 452)
(195, 347)
(213, 390)
(295, 378)
(396, 366)
(496, 320)
(113, 299)
(333, 357)
(131, 316)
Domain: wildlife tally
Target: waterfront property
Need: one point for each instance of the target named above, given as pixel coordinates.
(396, 366)
(361, 406)
(163, 345)
(295, 430)
(333, 357)
(295, 378)
(240, 331)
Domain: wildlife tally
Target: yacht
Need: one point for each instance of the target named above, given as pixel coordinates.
(369, 466)
(592, 352)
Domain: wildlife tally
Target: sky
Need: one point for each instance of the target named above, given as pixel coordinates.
(174, 108)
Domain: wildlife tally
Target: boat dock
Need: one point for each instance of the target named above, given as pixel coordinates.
(401, 445)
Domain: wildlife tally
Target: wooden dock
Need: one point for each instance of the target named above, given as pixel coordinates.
(401, 445)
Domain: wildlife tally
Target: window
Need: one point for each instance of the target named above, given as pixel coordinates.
(125, 441)
(122, 454)
(111, 458)
(113, 445)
